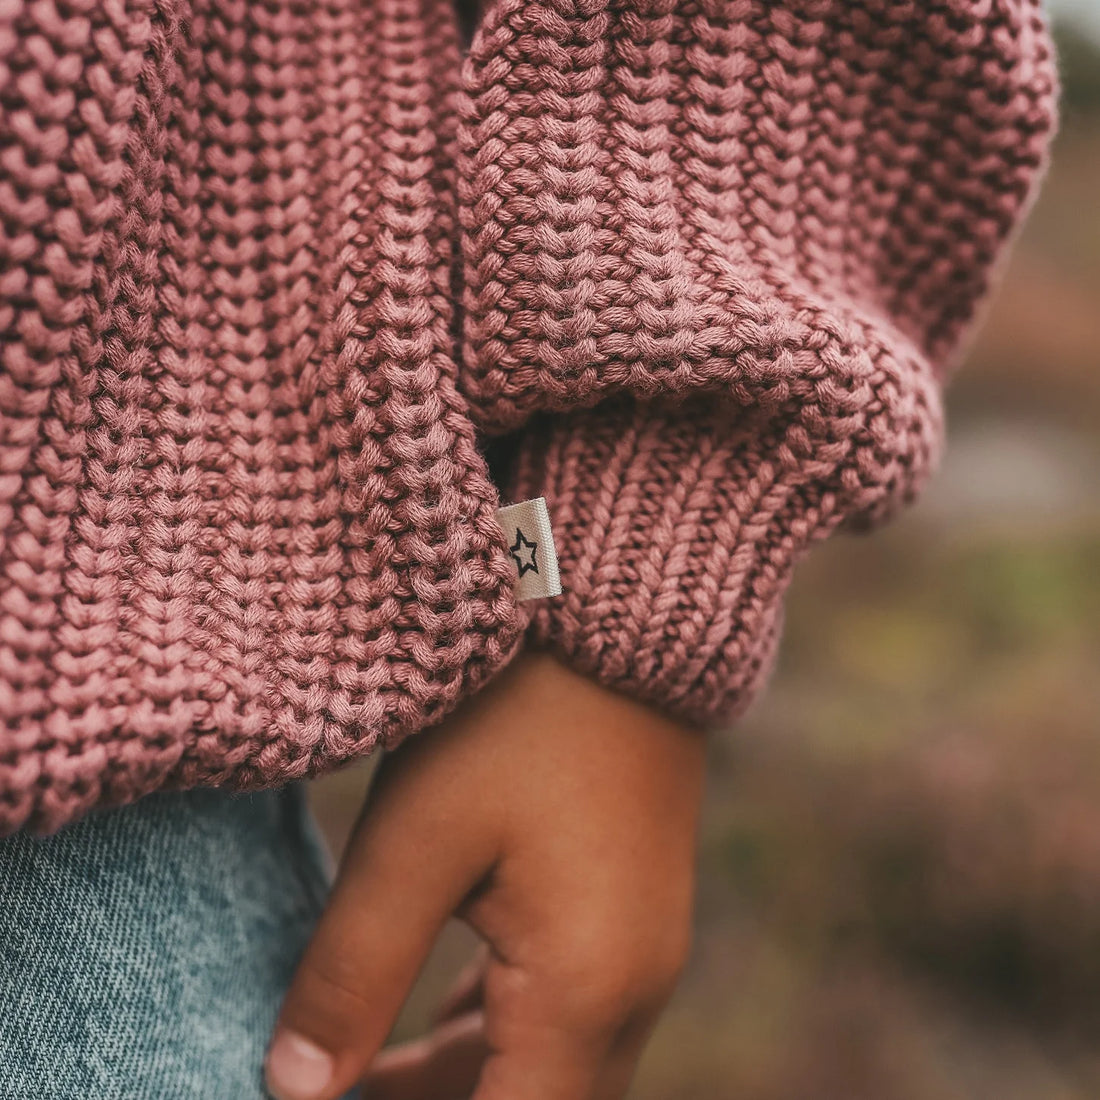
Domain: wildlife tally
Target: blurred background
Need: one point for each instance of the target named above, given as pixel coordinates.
(900, 870)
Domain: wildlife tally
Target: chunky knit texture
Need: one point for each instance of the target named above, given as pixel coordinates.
(271, 273)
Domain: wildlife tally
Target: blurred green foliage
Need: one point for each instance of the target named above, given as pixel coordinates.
(1079, 64)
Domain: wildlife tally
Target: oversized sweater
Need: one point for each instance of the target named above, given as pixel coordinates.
(277, 275)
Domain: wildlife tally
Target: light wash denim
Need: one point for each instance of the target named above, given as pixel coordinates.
(144, 951)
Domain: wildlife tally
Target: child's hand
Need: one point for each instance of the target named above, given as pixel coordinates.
(559, 820)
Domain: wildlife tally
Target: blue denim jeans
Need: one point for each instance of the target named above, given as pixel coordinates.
(144, 951)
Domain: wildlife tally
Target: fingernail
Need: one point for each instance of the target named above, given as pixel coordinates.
(296, 1069)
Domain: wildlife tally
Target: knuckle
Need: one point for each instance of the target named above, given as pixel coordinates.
(667, 963)
(615, 976)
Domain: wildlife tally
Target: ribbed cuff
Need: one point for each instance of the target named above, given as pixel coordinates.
(677, 529)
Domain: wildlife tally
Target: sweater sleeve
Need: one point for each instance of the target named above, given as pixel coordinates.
(716, 262)
(678, 526)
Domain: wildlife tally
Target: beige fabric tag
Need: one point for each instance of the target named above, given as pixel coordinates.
(526, 528)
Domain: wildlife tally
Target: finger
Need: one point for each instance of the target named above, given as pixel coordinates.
(561, 1064)
(467, 994)
(536, 1051)
(528, 1075)
(446, 1065)
(442, 1066)
(406, 869)
(613, 1082)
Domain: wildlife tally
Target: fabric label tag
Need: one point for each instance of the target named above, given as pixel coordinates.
(531, 544)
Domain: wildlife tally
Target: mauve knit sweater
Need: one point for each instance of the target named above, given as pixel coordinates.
(275, 274)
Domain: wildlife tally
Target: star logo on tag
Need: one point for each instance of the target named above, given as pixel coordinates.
(534, 555)
(523, 553)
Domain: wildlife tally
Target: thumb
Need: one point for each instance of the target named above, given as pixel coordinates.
(404, 873)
